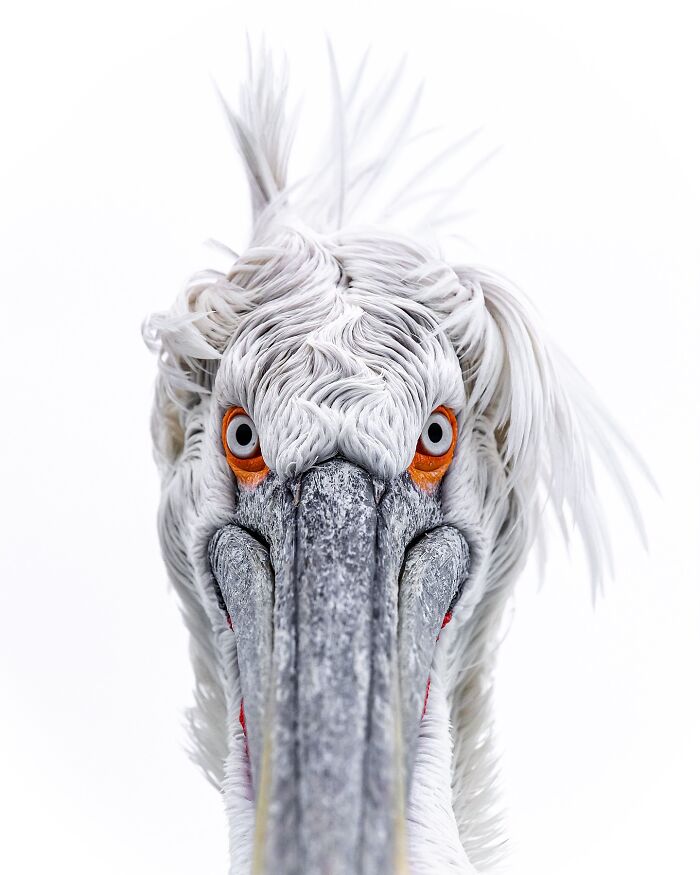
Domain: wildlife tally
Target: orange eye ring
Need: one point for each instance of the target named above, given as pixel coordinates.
(427, 469)
(251, 468)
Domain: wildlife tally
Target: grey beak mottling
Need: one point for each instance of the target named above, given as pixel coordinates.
(334, 655)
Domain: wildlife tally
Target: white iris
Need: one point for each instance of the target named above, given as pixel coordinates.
(242, 436)
(436, 436)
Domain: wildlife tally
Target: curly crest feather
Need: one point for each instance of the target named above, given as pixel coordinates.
(327, 305)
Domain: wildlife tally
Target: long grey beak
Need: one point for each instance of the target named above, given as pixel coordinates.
(335, 623)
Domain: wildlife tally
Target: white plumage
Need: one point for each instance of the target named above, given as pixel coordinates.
(339, 339)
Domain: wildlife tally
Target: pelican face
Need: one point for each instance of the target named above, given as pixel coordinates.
(337, 584)
(357, 440)
(334, 565)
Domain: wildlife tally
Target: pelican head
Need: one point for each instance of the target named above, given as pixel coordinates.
(356, 440)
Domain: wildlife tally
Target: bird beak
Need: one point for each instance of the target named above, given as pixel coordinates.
(337, 586)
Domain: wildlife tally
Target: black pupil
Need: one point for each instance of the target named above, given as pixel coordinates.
(435, 432)
(244, 434)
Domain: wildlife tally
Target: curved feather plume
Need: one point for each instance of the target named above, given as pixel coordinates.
(319, 294)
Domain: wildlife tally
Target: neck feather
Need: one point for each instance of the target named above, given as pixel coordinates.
(433, 836)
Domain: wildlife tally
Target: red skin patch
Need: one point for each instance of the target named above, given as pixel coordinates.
(241, 711)
(241, 720)
(425, 701)
(446, 620)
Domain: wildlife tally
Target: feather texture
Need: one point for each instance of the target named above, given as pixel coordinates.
(341, 337)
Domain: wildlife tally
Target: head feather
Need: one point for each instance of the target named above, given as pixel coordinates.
(534, 427)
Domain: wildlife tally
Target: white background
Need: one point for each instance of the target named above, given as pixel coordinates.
(115, 166)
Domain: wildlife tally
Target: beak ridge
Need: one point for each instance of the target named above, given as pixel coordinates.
(335, 631)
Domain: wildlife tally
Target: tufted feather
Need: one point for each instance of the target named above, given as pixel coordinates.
(340, 323)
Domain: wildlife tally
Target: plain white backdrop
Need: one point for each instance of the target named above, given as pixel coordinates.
(115, 166)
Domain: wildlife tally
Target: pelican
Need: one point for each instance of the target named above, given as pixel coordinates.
(359, 443)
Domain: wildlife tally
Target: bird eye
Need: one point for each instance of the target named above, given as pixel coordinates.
(242, 436)
(242, 447)
(436, 437)
(435, 449)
